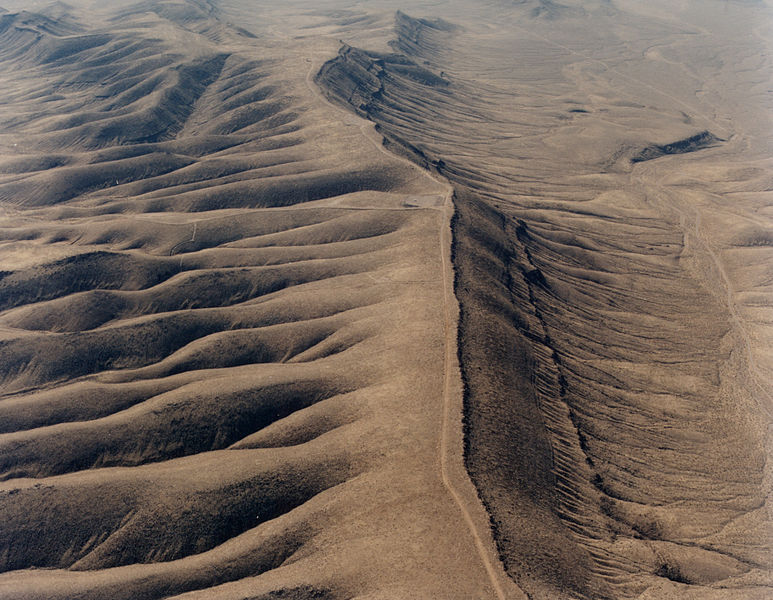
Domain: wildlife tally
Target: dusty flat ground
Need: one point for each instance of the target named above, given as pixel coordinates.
(228, 338)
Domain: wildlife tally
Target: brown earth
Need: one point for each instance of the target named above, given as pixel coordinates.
(228, 328)
(611, 166)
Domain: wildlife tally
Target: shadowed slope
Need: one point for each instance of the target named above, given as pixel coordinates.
(222, 322)
(617, 379)
(225, 328)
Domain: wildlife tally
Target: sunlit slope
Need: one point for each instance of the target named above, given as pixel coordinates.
(223, 323)
(612, 174)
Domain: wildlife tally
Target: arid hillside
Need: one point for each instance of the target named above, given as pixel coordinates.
(328, 300)
(228, 330)
(612, 244)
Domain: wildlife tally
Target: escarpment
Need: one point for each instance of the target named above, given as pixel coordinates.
(231, 366)
(603, 341)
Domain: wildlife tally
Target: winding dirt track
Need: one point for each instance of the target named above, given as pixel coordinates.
(244, 355)
(451, 426)
(452, 410)
(607, 343)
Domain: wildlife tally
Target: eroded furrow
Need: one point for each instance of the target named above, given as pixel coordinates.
(220, 333)
(616, 419)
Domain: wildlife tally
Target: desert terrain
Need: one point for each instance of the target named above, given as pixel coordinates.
(337, 300)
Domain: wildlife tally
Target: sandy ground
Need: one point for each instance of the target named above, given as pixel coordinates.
(229, 329)
(521, 349)
(612, 170)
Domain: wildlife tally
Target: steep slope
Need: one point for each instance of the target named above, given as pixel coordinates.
(227, 335)
(612, 335)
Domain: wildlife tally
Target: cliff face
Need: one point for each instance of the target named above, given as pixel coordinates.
(699, 141)
(615, 422)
